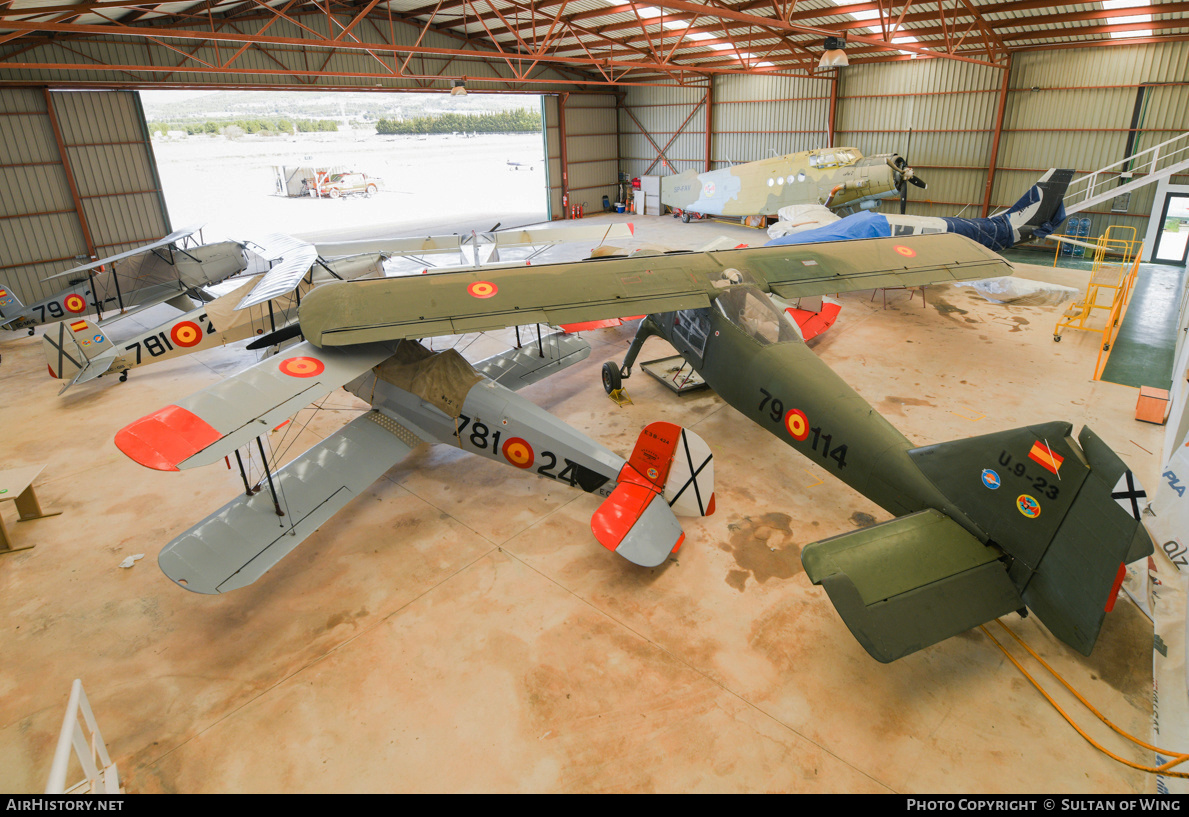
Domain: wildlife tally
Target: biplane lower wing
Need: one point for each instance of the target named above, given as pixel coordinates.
(236, 545)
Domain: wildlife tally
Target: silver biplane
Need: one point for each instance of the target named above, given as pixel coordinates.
(173, 270)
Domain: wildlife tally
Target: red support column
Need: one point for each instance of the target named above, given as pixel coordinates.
(78, 203)
(709, 103)
(998, 132)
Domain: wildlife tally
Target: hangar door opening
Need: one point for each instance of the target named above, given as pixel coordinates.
(348, 165)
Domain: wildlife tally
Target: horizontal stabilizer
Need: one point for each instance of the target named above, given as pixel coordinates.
(903, 585)
(10, 305)
(637, 523)
(670, 472)
(77, 351)
(210, 424)
(234, 546)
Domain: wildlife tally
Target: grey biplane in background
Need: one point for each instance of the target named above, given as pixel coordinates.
(476, 249)
(79, 350)
(173, 270)
(1024, 518)
(831, 177)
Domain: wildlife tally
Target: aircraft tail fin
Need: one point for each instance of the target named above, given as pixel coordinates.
(77, 351)
(670, 472)
(10, 305)
(1041, 209)
(1059, 518)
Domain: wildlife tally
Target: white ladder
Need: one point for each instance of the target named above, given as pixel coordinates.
(88, 748)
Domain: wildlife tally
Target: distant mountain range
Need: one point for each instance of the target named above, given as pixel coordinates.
(180, 106)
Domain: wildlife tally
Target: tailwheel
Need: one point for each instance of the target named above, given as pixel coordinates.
(611, 377)
(124, 376)
(1056, 338)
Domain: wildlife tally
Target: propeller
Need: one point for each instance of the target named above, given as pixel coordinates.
(905, 173)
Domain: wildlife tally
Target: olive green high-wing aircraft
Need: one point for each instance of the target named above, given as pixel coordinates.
(1025, 518)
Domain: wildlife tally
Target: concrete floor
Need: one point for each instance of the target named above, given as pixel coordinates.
(458, 628)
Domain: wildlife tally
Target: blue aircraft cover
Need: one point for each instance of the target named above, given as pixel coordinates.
(864, 224)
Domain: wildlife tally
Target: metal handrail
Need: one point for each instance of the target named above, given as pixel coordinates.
(1165, 154)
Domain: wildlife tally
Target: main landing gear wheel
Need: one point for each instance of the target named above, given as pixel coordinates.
(685, 218)
(611, 378)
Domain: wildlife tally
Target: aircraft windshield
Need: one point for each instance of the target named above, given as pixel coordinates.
(753, 312)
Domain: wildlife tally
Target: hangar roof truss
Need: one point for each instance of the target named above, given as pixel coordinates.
(515, 44)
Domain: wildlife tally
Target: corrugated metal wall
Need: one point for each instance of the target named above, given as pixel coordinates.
(582, 150)
(948, 106)
(108, 157)
(672, 120)
(1074, 108)
(1078, 116)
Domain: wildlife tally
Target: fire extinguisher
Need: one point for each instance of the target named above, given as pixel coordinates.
(581, 210)
(565, 201)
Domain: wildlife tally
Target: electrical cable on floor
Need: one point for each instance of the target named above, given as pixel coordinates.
(1177, 757)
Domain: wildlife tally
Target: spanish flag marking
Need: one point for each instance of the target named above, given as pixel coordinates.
(1045, 457)
(78, 326)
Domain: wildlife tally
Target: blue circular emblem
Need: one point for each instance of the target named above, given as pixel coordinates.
(990, 479)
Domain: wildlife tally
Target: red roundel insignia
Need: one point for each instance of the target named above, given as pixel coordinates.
(186, 333)
(907, 252)
(797, 424)
(518, 452)
(74, 303)
(302, 367)
(482, 289)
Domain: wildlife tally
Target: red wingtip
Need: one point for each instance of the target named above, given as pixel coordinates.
(52, 374)
(677, 546)
(631, 228)
(166, 438)
(710, 506)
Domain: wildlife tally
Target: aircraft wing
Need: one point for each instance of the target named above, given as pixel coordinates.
(453, 303)
(235, 545)
(422, 245)
(212, 423)
(161, 242)
(905, 261)
(396, 246)
(294, 259)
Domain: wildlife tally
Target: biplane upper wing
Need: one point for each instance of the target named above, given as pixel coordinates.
(212, 423)
(173, 237)
(451, 303)
(293, 259)
(430, 244)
